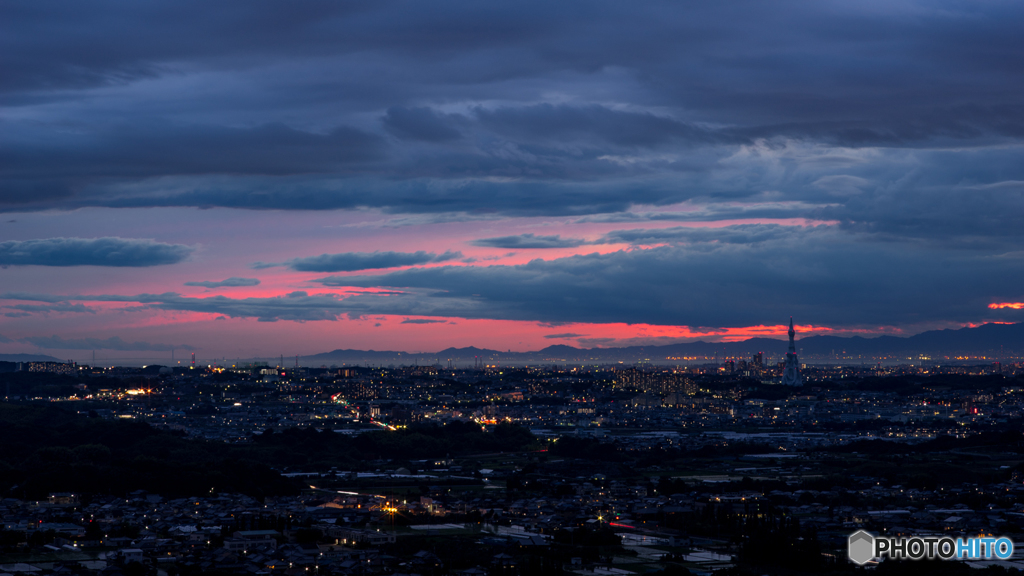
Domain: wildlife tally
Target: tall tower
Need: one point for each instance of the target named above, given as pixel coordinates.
(791, 373)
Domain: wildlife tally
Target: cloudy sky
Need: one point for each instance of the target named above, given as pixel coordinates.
(262, 178)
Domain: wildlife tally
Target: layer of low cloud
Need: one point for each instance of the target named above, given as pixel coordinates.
(115, 252)
(355, 261)
(233, 282)
(59, 307)
(529, 241)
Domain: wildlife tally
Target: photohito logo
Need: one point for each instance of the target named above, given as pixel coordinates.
(863, 547)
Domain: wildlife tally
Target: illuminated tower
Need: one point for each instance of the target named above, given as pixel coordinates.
(791, 373)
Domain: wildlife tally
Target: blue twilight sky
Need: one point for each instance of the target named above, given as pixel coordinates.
(229, 176)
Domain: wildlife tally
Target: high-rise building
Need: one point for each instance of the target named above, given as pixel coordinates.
(791, 372)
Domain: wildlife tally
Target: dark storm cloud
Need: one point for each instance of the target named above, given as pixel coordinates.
(118, 252)
(115, 343)
(420, 195)
(232, 282)
(142, 104)
(565, 335)
(138, 151)
(420, 124)
(569, 122)
(529, 241)
(354, 261)
(786, 60)
(982, 209)
(711, 212)
(918, 194)
(740, 234)
(115, 42)
(422, 321)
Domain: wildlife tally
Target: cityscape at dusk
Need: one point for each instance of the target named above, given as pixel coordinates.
(499, 289)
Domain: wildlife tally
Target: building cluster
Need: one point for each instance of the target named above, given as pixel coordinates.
(534, 503)
(753, 449)
(232, 405)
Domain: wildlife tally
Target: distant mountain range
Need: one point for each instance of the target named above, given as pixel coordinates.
(992, 340)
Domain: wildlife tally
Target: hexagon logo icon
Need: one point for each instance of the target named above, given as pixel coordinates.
(861, 547)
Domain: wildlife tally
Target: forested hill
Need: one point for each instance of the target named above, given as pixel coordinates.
(47, 449)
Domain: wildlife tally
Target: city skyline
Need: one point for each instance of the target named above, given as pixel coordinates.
(403, 178)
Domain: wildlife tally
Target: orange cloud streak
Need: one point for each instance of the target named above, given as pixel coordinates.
(1013, 305)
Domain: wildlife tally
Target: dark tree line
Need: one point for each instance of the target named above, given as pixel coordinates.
(47, 449)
